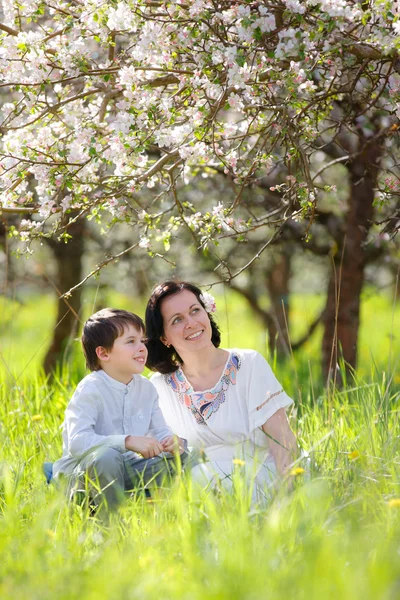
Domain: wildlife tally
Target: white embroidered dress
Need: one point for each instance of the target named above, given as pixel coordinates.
(225, 422)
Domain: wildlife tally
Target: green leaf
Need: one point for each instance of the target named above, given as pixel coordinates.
(257, 35)
(240, 59)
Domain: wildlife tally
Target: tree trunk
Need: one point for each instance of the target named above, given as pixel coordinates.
(69, 273)
(342, 314)
(278, 290)
(8, 278)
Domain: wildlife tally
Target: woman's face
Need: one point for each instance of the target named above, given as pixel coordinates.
(186, 323)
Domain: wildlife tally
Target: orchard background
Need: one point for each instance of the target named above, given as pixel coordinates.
(253, 148)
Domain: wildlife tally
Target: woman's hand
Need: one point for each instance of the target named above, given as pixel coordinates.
(282, 441)
(173, 444)
(148, 447)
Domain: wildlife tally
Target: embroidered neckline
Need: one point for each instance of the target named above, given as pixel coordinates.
(203, 404)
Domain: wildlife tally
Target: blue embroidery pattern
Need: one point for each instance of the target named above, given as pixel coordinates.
(204, 404)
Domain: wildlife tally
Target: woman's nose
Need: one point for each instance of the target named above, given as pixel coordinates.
(189, 321)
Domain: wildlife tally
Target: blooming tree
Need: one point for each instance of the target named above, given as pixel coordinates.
(108, 98)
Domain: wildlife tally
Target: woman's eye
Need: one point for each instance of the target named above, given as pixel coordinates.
(176, 320)
(195, 310)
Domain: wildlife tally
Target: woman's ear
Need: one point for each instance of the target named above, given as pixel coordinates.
(102, 353)
(164, 341)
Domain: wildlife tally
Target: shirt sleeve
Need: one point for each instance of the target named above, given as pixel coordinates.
(265, 394)
(80, 418)
(158, 426)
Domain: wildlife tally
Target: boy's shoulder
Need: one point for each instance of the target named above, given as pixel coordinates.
(89, 383)
(143, 382)
(99, 383)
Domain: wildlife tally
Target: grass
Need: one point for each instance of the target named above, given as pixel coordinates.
(337, 535)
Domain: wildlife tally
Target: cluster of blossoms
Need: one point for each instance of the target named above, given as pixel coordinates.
(132, 95)
(209, 302)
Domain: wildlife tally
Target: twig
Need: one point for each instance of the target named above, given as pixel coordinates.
(98, 269)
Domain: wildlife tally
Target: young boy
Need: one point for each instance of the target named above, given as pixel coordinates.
(114, 430)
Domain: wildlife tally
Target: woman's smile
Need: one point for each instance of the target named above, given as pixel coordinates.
(194, 336)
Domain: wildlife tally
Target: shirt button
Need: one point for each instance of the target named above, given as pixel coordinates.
(141, 417)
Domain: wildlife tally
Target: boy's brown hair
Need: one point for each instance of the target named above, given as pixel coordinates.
(102, 329)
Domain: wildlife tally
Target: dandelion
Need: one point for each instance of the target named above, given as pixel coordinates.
(354, 455)
(297, 471)
(394, 503)
(238, 461)
(37, 418)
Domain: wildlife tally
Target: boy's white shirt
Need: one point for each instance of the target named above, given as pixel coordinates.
(103, 412)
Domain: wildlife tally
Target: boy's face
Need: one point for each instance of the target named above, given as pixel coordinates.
(126, 358)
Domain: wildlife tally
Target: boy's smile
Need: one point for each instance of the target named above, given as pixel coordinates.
(126, 358)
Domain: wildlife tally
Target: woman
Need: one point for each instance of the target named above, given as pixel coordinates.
(226, 403)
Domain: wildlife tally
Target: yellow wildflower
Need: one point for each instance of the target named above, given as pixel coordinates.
(297, 471)
(51, 533)
(37, 417)
(354, 455)
(394, 503)
(239, 461)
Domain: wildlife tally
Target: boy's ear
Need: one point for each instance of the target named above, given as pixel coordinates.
(102, 353)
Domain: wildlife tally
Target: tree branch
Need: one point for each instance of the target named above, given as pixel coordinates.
(266, 316)
(297, 345)
(8, 29)
(98, 269)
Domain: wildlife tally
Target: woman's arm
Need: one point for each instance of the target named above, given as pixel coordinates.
(282, 441)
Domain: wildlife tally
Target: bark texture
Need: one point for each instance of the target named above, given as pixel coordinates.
(278, 291)
(69, 272)
(341, 317)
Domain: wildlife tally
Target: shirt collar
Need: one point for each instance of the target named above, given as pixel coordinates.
(116, 385)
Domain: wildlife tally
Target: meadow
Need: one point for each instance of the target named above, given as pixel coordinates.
(335, 535)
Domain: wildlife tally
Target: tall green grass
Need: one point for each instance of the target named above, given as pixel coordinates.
(335, 535)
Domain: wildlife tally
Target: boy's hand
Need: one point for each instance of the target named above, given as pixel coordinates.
(173, 444)
(148, 447)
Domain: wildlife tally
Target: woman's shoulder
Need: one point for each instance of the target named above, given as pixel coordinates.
(154, 377)
(247, 355)
(158, 379)
(247, 360)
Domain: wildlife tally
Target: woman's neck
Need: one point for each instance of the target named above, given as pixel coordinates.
(203, 369)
